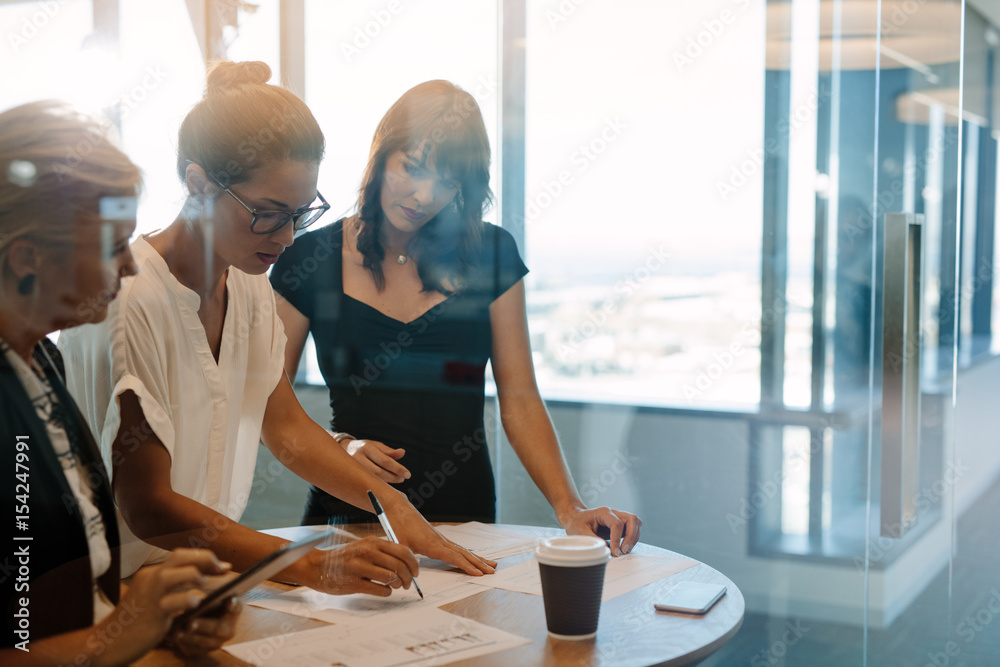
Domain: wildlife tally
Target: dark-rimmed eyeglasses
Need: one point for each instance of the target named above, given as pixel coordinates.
(268, 222)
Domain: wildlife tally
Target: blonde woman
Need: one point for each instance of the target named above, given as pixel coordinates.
(61, 262)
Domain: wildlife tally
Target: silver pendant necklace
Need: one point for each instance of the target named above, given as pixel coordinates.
(402, 259)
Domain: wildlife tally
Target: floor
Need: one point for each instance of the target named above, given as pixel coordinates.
(930, 633)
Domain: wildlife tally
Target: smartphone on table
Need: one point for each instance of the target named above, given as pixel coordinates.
(691, 597)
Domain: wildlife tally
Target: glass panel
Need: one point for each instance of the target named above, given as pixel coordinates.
(165, 77)
(966, 487)
(642, 213)
(923, 157)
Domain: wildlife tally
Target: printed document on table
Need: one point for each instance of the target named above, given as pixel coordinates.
(625, 573)
(415, 638)
(489, 541)
(439, 581)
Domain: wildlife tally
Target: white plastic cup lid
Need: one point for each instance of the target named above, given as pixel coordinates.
(572, 551)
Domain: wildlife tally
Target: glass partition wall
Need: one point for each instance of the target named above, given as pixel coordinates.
(761, 242)
(787, 395)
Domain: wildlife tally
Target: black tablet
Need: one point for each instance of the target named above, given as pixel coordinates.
(264, 569)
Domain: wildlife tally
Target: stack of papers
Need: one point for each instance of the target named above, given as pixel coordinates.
(623, 574)
(489, 541)
(420, 637)
(441, 583)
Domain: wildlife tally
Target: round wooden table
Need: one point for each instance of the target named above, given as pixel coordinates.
(630, 633)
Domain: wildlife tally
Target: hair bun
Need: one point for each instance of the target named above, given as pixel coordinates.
(226, 74)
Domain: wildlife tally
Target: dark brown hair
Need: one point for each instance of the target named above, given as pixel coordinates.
(242, 123)
(445, 123)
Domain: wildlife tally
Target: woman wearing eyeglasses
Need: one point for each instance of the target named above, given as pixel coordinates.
(414, 294)
(185, 378)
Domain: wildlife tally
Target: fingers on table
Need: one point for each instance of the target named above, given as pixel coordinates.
(624, 529)
(617, 528)
(632, 530)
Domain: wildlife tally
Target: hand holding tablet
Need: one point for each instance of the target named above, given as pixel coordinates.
(264, 569)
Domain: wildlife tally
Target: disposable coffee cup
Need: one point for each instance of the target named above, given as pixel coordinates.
(572, 571)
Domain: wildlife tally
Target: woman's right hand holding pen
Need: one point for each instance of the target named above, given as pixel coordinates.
(370, 565)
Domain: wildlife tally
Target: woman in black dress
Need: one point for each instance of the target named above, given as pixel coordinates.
(406, 301)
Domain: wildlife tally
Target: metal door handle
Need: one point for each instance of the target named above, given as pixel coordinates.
(901, 346)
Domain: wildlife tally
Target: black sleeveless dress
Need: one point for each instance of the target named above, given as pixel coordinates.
(417, 385)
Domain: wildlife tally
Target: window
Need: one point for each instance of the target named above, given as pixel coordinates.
(643, 211)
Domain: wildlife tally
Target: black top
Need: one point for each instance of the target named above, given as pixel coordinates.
(417, 385)
(51, 570)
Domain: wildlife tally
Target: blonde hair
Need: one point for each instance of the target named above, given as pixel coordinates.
(56, 162)
(242, 123)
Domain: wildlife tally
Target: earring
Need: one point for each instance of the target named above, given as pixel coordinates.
(27, 285)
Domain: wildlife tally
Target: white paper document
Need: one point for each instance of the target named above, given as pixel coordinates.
(489, 541)
(625, 573)
(417, 638)
(439, 581)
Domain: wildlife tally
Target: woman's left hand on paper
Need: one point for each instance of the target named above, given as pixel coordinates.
(414, 531)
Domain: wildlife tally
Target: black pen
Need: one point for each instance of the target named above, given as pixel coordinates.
(384, 520)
